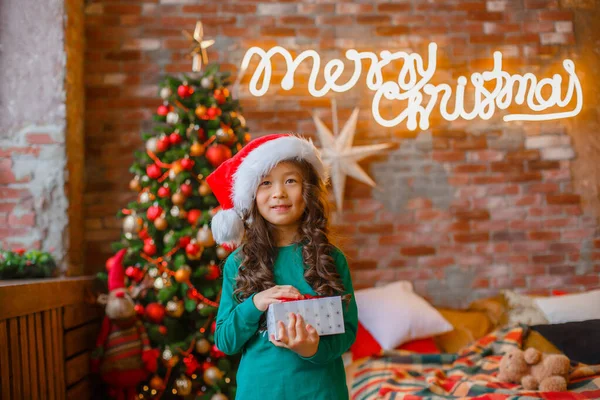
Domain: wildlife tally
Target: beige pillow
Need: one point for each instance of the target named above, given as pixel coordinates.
(523, 309)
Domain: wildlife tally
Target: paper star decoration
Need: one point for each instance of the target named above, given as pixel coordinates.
(198, 47)
(339, 155)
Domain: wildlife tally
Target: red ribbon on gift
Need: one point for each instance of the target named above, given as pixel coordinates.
(306, 297)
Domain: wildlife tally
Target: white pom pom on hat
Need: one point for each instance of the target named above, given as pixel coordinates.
(234, 182)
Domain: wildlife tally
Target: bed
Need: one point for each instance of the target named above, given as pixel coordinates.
(467, 373)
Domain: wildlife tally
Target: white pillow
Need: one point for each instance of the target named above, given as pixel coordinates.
(394, 315)
(571, 307)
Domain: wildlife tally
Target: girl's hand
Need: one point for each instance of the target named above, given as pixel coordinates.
(299, 337)
(263, 299)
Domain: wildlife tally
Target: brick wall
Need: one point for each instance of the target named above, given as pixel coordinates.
(463, 210)
(33, 202)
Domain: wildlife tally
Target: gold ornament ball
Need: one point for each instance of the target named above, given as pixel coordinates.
(222, 253)
(183, 385)
(219, 396)
(157, 382)
(224, 135)
(132, 224)
(161, 223)
(212, 375)
(183, 273)
(203, 346)
(174, 308)
(204, 189)
(205, 237)
(196, 149)
(200, 111)
(178, 199)
(135, 184)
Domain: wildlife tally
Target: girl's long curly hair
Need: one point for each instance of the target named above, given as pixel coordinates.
(259, 248)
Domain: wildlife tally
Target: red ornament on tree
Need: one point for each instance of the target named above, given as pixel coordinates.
(213, 326)
(213, 272)
(164, 192)
(186, 189)
(153, 171)
(184, 241)
(149, 247)
(191, 364)
(139, 309)
(184, 91)
(193, 250)
(193, 216)
(163, 143)
(187, 163)
(163, 110)
(213, 112)
(175, 138)
(162, 330)
(155, 312)
(154, 212)
(134, 273)
(217, 155)
(143, 234)
(216, 353)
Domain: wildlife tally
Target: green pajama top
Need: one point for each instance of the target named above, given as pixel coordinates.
(270, 372)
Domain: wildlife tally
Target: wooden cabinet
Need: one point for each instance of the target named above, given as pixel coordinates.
(47, 330)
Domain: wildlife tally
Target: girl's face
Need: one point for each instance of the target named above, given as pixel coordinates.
(279, 196)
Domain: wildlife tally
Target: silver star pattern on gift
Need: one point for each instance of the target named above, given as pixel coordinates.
(339, 155)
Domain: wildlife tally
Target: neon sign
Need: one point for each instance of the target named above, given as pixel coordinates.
(413, 83)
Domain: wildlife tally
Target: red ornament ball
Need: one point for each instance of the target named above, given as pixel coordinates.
(143, 234)
(175, 138)
(216, 353)
(163, 144)
(193, 249)
(163, 110)
(162, 330)
(139, 309)
(186, 189)
(153, 171)
(154, 212)
(213, 112)
(187, 163)
(191, 364)
(213, 272)
(155, 312)
(193, 216)
(131, 272)
(164, 192)
(184, 241)
(184, 91)
(149, 248)
(218, 154)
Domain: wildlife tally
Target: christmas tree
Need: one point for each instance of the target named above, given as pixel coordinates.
(172, 262)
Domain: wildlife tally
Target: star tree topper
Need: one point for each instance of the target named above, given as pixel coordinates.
(198, 47)
(339, 155)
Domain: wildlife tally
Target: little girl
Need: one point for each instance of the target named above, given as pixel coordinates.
(275, 187)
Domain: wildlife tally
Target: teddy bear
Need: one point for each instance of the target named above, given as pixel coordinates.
(123, 355)
(535, 370)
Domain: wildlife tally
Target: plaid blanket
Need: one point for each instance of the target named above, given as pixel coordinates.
(469, 374)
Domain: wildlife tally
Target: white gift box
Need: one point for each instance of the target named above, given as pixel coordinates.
(324, 314)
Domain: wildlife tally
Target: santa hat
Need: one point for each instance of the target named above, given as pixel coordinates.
(234, 182)
(116, 276)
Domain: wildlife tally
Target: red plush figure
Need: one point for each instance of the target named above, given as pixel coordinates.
(123, 355)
